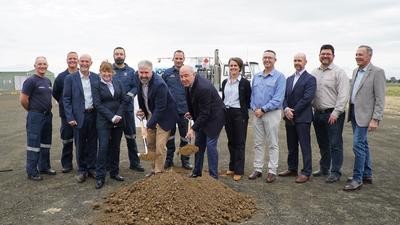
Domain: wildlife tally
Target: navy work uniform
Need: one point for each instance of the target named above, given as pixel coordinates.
(126, 76)
(171, 78)
(66, 130)
(38, 124)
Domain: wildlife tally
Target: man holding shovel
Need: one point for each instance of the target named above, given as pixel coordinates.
(157, 105)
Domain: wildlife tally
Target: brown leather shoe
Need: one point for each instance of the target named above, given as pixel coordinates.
(270, 178)
(237, 177)
(288, 173)
(302, 178)
(229, 173)
(254, 175)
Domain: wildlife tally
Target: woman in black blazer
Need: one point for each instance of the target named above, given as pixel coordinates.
(110, 103)
(236, 92)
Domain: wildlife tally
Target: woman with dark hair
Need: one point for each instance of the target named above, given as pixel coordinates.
(110, 103)
(236, 92)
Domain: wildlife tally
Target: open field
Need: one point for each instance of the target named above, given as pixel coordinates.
(60, 200)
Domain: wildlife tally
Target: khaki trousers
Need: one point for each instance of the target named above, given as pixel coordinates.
(156, 141)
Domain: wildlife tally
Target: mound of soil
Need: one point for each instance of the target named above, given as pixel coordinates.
(170, 198)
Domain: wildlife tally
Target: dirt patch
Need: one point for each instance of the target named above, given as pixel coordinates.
(171, 198)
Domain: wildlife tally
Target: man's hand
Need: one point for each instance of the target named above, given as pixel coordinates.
(190, 134)
(373, 125)
(116, 119)
(188, 116)
(140, 114)
(289, 113)
(73, 123)
(332, 119)
(258, 113)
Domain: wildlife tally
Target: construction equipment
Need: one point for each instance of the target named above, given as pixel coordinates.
(189, 148)
(210, 68)
(147, 156)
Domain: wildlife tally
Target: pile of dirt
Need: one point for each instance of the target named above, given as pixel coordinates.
(170, 198)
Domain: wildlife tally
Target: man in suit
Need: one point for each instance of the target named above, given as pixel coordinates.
(81, 115)
(126, 75)
(207, 110)
(298, 115)
(158, 106)
(268, 91)
(367, 102)
(66, 131)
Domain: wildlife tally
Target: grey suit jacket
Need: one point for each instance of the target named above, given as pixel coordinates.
(369, 101)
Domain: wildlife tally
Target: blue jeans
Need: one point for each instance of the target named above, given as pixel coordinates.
(38, 132)
(362, 161)
(330, 142)
(203, 142)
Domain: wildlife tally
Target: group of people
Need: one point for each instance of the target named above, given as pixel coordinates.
(96, 109)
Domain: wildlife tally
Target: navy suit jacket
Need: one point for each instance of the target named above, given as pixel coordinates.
(300, 97)
(206, 107)
(161, 104)
(107, 105)
(73, 98)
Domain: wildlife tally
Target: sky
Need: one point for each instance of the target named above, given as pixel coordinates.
(149, 29)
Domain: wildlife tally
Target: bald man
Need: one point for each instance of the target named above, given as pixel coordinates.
(36, 99)
(81, 115)
(298, 115)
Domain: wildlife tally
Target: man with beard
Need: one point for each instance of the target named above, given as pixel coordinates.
(66, 131)
(126, 75)
(171, 78)
(158, 106)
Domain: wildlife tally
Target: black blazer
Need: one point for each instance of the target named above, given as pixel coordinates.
(161, 104)
(244, 95)
(300, 97)
(206, 107)
(107, 106)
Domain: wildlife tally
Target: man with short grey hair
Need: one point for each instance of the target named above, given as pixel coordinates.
(367, 102)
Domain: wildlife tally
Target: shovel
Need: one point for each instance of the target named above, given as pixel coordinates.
(189, 148)
(147, 156)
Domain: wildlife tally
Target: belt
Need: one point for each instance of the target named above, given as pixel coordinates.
(42, 112)
(89, 110)
(322, 111)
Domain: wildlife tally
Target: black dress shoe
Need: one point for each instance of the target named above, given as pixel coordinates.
(352, 186)
(254, 175)
(193, 175)
(92, 174)
(35, 177)
(138, 168)
(187, 166)
(66, 170)
(48, 172)
(365, 180)
(117, 177)
(80, 178)
(168, 164)
(332, 179)
(288, 173)
(320, 173)
(99, 184)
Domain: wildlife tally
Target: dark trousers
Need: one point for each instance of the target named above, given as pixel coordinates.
(109, 151)
(204, 142)
(236, 131)
(38, 132)
(86, 143)
(67, 137)
(130, 136)
(330, 142)
(182, 127)
(299, 133)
